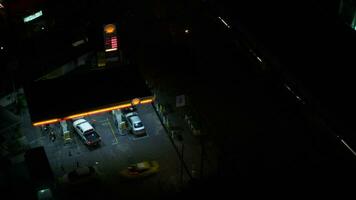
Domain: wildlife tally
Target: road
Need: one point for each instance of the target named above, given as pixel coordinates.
(298, 44)
(263, 132)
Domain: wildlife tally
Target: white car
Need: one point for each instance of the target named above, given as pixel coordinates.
(135, 124)
(79, 175)
(44, 194)
(86, 132)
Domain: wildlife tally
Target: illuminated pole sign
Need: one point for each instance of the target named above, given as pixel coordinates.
(32, 17)
(110, 38)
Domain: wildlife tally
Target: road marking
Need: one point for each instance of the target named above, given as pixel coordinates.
(352, 151)
(112, 131)
(223, 21)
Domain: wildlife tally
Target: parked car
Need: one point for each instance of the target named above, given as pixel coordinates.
(80, 175)
(45, 194)
(86, 132)
(140, 170)
(135, 124)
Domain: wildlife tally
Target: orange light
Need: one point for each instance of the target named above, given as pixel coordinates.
(98, 111)
(146, 101)
(46, 122)
(126, 105)
(135, 101)
(110, 28)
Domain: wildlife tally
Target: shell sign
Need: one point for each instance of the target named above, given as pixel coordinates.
(110, 37)
(110, 28)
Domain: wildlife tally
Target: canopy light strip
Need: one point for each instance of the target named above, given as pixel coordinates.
(146, 101)
(121, 106)
(46, 122)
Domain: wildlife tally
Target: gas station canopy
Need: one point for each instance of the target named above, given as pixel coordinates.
(79, 94)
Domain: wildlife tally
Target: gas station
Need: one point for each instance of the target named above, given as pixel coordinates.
(86, 92)
(100, 95)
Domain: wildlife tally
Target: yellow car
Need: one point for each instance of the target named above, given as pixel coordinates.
(140, 170)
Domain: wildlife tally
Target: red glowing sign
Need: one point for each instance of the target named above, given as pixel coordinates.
(111, 40)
